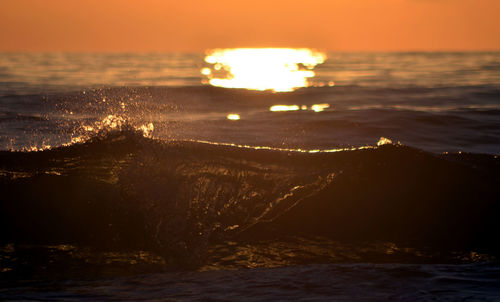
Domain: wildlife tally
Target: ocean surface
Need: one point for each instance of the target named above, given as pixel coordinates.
(134, 177)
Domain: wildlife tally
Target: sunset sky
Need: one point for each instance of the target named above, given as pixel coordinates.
(195, 25)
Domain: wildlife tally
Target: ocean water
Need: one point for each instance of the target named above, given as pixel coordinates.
(133, 177)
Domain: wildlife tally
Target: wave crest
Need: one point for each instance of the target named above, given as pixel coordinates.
(122, 190)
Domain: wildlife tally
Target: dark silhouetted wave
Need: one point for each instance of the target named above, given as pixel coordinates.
(179, 199)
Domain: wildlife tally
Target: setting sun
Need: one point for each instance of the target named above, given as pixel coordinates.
(276, 69)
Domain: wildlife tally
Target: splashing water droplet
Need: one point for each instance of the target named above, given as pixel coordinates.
(384, 141)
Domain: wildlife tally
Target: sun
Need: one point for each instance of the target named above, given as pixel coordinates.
(276, 69)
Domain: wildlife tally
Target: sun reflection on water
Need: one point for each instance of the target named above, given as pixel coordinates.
(319, 107)
(284, 108)
(276, 69)
(315, 107)
(233, 116)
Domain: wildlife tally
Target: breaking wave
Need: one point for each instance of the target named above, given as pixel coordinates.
(121, 190)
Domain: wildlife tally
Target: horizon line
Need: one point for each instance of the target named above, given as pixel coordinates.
(203, 51)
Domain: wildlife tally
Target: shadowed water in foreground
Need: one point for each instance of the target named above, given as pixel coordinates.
(344, 282)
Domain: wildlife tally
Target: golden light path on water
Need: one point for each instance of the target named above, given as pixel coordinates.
(275, 69)
(315, 107)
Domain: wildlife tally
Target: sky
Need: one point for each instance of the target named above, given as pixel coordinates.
(196, 25)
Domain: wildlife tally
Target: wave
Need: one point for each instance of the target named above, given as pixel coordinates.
(120, 190)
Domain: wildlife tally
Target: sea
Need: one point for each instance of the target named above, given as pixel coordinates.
(250, 175)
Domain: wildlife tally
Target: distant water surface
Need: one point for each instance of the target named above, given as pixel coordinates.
(441, 102)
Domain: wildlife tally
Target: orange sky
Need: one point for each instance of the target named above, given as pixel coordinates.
(194, 25)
